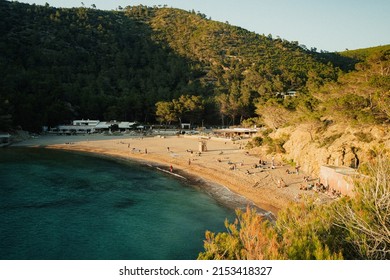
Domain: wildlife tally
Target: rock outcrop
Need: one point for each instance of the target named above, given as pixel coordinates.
(311, 145)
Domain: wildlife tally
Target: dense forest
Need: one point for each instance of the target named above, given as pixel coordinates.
(59, 64)
(155, 64)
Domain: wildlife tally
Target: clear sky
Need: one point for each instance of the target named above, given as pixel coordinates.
(331, 25)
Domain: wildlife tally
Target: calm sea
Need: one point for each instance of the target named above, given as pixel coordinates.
(57, 205)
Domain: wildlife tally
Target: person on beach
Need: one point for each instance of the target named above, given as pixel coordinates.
(171, 168)
(189, 161)
(168, 149)
(281, 183)
(146, 151)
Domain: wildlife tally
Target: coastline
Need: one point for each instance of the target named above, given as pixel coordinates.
(220, 193)
(209, 171)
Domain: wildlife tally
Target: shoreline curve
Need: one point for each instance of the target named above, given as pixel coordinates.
(258, 186)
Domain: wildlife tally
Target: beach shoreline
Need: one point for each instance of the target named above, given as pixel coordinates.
(220, 193)
(225, 165)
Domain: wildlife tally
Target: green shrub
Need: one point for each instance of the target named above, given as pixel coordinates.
(276, 145)
(351, 228)
(257, 141)
(327, 141)
(364, 137)
(267, 132)
(251, 122)
(301, 232)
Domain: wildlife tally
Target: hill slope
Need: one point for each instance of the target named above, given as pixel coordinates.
(343, 123)
(59, 64)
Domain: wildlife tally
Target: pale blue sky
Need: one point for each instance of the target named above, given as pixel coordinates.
(332, 25)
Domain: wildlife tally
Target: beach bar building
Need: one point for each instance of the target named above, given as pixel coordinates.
(237, 132)
(115, 126)
(339, 178)
(92, 126)
(77, 127)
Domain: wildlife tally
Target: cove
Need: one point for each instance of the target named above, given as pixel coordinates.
(58, 205)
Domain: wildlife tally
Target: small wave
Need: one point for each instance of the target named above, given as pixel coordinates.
(172, 173)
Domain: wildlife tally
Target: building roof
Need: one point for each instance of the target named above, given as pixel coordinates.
(75, 127)
(126, 124)
(236, 129)
(85, 122)
(95, 124)
(103, 125)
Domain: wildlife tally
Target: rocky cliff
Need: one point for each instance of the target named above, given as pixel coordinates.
(313, 145)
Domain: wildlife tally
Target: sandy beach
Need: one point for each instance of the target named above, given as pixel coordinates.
(225, 162)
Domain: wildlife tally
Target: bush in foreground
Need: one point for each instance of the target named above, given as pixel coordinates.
(351, 228)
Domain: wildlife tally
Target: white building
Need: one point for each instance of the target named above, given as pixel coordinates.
(114, 125)
(92, 126)
(290, 93)
(78, 127)
(236, 132)
(91, 123)
(127, 125)
(5, 139)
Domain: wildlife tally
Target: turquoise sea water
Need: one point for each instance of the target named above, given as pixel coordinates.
(57, 205)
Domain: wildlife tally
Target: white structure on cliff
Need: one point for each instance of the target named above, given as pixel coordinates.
(339, 178)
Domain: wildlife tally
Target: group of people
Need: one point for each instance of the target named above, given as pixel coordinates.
(288, 171)
(320, 187)
(335, 193)
(306, 188)
(136, 150)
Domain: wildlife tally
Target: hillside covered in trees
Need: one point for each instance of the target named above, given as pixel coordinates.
(58, 64)
(163, 64)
